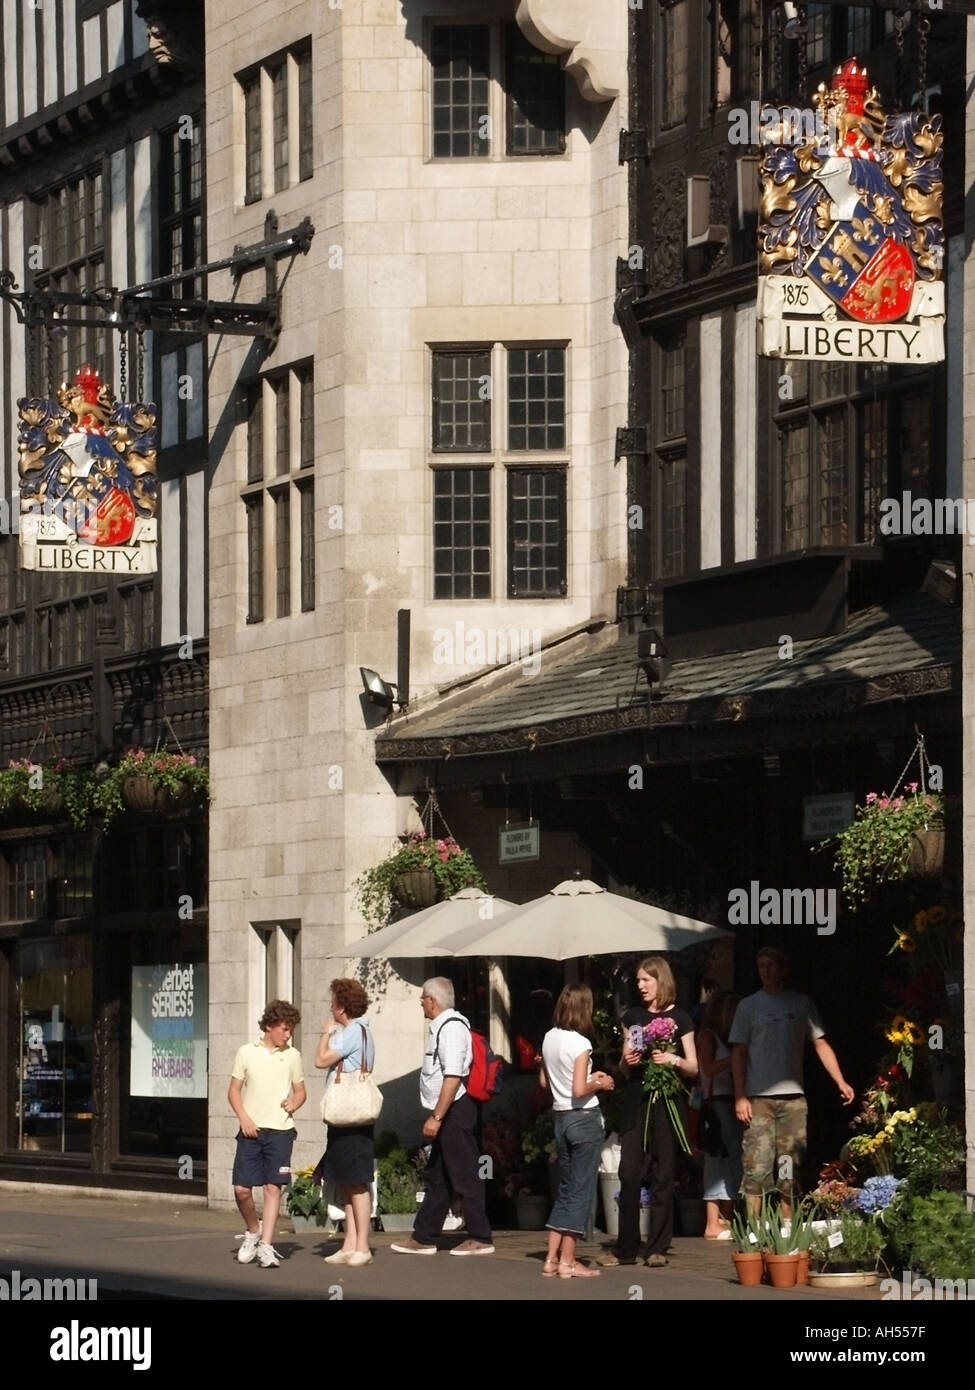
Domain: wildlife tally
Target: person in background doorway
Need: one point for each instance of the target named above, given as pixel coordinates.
(768, 1038)
(722, 1172)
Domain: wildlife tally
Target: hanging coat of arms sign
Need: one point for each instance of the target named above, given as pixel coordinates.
(87, 481)
(850, 233)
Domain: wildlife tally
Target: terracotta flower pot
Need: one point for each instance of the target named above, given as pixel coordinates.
(417, 888)
(927, 855)
(748, 1265)
(802, 1268)
(782, 1269)
(143, 794)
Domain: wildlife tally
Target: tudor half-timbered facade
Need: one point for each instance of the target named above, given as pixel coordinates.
(102, 184)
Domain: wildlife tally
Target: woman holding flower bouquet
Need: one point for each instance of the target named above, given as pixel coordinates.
(659, 1060)
(566, 1063)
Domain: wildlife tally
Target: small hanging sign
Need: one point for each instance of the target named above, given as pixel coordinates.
(518, 843)
(87, 481)
(851, 243)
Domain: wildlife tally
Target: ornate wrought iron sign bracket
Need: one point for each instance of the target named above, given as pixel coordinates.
(137, 307)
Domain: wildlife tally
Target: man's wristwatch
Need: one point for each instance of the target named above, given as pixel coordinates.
(438, 1119)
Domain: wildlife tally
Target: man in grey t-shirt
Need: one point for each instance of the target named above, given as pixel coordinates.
(768, 1039)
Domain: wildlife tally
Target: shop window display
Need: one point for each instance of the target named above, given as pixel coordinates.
(55, 1081)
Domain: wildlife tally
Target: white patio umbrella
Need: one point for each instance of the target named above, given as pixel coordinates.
(419, 934)
(578, 918)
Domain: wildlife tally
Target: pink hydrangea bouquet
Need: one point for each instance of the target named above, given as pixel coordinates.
(661, 1081)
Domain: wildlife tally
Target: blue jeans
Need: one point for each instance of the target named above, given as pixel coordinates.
(579, 1134)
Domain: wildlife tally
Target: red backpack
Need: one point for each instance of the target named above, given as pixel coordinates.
(484, 1078)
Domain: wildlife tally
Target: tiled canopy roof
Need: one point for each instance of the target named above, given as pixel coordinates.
(592, 684)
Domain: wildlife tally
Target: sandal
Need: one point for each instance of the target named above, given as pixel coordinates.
(577, 1272)
(549, 1268)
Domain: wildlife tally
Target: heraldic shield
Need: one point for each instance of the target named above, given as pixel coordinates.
(88, 481)
(851, 234)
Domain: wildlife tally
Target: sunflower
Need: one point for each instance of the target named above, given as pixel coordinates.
(936, 914)
(906, 943)
(920, 920)
(915, 1034)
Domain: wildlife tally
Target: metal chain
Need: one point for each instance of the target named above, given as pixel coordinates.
(923, 29)
(52, 377)
(140, 364)
(122, 353)
(900, 24)
(801, 16)
(775, 53)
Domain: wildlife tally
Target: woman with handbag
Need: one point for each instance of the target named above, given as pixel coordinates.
(722, 1160)
(346, 1049)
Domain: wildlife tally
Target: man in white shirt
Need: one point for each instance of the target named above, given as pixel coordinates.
(453, 1165)
(768, 1038)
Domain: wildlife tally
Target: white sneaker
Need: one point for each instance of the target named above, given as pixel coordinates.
(267, 1256)
(248, 1247)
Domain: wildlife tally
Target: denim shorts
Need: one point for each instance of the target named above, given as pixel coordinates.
(264, 1160)
(579, 1134)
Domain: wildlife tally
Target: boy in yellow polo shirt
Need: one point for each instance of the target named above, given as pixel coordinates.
(267, 1086)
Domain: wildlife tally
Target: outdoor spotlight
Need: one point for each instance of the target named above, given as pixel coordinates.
(652, 651)
(794, 27)
(380, 692)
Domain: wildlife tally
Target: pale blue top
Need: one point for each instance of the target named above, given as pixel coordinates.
(348, 1042)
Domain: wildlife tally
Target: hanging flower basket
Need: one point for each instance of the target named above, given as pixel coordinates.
(31, 791)
(420, 870)
(143, 795)
(927, 853)
(151, 784)
(417, 888)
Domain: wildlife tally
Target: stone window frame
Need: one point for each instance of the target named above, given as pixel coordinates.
(498, 113)
(275, 123)
(277, 491)
(499, 460)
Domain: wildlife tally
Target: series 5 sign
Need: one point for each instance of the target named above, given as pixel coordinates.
(850, 234)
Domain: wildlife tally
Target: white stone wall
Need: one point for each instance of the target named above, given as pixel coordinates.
(499, 250)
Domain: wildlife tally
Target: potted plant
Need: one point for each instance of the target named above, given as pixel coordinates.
(891, 836)
(609, 1184)
(533, 1200)
(780, 1252)
(847, 1256)
(305, 1200)
(746, 1246)
(396, 1186)
(52, 791)
(157, 783)
(419, 872)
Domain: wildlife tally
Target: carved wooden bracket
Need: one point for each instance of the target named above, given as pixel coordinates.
(592, 35)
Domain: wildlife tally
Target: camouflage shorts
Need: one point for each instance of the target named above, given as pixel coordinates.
(774, 1145)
